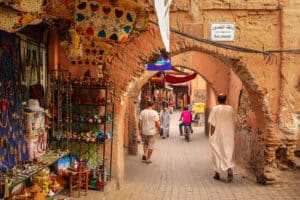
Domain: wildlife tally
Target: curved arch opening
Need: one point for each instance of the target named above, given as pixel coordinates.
(217, 77)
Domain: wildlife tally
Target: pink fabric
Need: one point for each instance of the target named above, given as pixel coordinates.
(186, 116)
(36, 146)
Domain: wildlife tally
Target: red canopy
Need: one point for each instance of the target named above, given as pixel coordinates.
(175, 79)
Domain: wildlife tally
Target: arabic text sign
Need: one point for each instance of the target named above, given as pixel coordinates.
(222, 31)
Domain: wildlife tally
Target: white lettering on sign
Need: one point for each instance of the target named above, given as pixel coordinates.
(222, 31)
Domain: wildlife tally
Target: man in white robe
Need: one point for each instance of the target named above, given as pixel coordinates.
(222, 121)
(165, 122)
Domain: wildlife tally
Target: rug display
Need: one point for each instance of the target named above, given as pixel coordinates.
(12, 141)
(94, 19)
(98, 26)
(15, 15)
(60, 9)
(25, 5)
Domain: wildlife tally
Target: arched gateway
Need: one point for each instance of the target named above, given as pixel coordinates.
(220, 68)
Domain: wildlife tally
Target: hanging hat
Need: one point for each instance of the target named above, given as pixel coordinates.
(34, 105)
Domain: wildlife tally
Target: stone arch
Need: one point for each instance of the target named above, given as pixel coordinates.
(126, 62)
(126, 67)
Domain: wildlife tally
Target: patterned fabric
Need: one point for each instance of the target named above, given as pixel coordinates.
(12, 141)
(103, 20)
(98, 26)
(60, 9)
(34, 124)
(25, 5)
(87, 53)
(12, 21)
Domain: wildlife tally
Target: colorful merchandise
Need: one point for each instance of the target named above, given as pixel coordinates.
(36, 135)
(103, 20)
(12, 142)
(13, 21)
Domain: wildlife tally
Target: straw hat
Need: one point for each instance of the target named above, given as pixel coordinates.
(34, 105)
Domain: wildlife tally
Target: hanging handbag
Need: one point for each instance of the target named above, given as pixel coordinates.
(36, 89)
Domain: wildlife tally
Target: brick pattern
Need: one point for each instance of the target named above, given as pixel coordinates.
(182, 170)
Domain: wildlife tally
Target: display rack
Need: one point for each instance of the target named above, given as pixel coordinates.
(92, 125)
(82, 122)
(60, 108)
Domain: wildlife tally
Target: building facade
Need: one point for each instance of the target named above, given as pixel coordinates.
(262, 81)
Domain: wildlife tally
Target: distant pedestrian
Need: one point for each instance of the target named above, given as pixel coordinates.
(171, 106)
(186, 118)
(165, 122)
(148, 125)
(222, 122)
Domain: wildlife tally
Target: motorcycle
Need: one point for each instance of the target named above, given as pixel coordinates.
(187, 131)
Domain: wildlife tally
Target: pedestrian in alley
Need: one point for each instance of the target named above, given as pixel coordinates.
(171, 106)
(148, 124)
(165, 122)
(186, 118)
(222, 127)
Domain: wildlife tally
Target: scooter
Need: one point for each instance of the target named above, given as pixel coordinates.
(187, 131)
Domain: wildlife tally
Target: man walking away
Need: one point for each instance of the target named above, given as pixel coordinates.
(222, 122)
(148, 122)
(165, 121)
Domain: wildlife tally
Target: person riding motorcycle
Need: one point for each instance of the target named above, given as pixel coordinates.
(186, 118)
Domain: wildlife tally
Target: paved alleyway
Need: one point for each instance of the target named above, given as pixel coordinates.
(182, 170)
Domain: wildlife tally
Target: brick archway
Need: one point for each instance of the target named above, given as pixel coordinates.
(126, 67)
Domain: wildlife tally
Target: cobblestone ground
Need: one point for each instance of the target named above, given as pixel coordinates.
(183, 171)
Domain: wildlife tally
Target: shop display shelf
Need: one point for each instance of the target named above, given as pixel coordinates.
(92, 123)
(89, 104)
(101, 87)
(89, 142)
(93, 104)
(81, 140)
(43, 162)
(84, 117)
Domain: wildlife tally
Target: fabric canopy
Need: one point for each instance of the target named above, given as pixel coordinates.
(174, 79)
(162, 10)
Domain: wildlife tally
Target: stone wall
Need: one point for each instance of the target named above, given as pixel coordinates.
(270, 83)
(245, 151)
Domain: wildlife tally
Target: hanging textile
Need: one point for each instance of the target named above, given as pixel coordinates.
(174, 79)
(12, 141)
(13, 21)
(162, 8)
